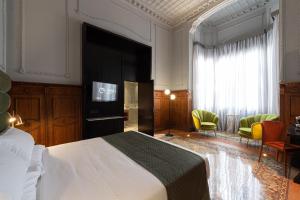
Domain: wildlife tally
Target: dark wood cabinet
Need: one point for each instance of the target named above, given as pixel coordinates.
(51, 113)
(289, 102)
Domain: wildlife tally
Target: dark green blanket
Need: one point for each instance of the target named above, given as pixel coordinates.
(182, 172)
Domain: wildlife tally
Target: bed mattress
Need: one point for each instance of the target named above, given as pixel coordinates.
(94, 169)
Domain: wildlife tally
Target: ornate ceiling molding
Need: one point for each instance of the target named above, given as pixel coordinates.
(142, 37)
(161, 10)
(200, 10)
(148, 11)
(242, 13)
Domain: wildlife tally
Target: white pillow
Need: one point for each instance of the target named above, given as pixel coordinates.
(36, 163)
(12, 173)
(34, 172)
(30, 184)
(18, 142)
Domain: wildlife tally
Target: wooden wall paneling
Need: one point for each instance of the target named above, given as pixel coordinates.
(165, 106)
(181, 109)
(190, 109)
(161, 110)
(63, 114)
(289, 102)
(29, 102)
(157, 116)
(51, 113)
(295, 106)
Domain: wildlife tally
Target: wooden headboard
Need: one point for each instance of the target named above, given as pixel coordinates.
(51, 113)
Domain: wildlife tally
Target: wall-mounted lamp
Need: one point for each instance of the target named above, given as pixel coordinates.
(172, 98)
(15, 120)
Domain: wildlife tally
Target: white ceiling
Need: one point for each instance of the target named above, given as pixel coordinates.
(236, 10)
(174, 12)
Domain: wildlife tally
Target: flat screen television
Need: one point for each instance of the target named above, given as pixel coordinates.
(104, 92)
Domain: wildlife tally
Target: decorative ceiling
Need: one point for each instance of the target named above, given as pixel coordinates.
(174, 12)
(236, 10)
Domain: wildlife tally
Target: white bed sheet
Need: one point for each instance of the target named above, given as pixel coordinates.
(94, 169)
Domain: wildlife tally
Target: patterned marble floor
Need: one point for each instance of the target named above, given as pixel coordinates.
(236, 174)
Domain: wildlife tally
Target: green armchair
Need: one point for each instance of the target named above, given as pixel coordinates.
(250, 127)
(205, 120)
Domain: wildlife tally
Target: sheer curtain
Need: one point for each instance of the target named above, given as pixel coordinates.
(238, 79)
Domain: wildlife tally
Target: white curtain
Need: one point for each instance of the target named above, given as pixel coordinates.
(238, 79)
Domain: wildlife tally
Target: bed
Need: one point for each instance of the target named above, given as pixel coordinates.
(122, 166)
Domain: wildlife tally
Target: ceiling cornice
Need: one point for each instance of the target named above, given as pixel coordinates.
(175, 22)
(247, 11)
(200, 10)
(148, 11)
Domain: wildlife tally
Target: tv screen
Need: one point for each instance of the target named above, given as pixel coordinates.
(104, 92)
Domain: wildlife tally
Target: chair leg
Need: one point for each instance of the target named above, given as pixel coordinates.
(277, 155)
(260, 152)
(285, 163)
(215, 133)
(247, 142)
(240, 139)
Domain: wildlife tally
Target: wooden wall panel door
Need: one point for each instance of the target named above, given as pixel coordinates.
(295, 106)
(161, 110)
(180, 110)
(289, 102)
(164, 112)
(63, 114)
(29, 102)
(157, 115)
(51, 113)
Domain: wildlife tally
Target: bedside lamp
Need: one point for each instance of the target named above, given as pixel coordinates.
(15, 120)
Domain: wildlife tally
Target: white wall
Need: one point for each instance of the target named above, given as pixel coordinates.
(51, 49)
(44, 37)
(291, 40)
(181, 57)
(163, 58)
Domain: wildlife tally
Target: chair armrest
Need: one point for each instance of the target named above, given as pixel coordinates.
(256, 130)
(197, 122)
(244, 122)
(216, 120)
